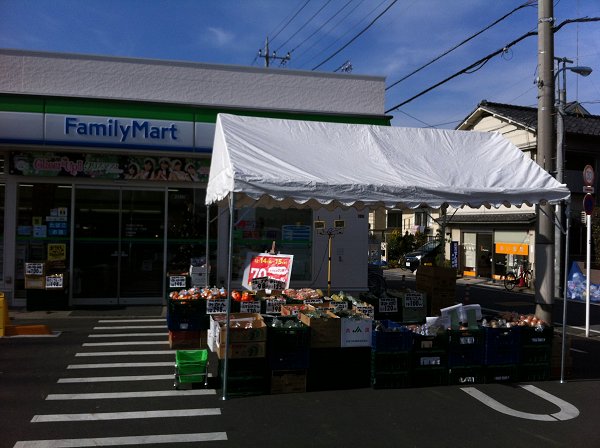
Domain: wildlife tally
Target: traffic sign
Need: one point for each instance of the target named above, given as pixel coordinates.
(588, 175)
(588, 204)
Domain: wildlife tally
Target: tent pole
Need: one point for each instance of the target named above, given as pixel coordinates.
(207, 245)
(329, 236)
(564, 320)
(228, 302)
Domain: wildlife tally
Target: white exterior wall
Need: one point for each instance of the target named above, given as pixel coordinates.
(54, 74)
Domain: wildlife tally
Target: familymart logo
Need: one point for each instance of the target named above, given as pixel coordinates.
(122, 130)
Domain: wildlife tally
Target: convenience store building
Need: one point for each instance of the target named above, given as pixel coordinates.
(104, 168)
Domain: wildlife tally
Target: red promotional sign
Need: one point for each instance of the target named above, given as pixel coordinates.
(275, 267)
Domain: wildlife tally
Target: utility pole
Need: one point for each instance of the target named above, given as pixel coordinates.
(544, 232)
(268, 57)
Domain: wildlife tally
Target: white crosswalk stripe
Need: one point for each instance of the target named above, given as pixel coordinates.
(123, 332)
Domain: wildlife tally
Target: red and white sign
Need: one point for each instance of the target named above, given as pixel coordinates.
(588, 175)
(276, 267)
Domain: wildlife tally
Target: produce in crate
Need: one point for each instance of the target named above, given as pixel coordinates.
(197, 293)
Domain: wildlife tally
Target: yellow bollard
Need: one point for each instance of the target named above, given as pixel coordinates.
(3, 315)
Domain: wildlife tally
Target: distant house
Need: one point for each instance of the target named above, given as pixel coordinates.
(492, 240)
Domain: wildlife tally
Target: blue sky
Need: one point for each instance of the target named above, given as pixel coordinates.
(409, 35)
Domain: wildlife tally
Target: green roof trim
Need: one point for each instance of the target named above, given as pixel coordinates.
(148, 110)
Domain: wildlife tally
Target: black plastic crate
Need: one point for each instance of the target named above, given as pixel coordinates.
(538, 336)
(502, 346)
(187, 315)
(501, 374)
(466, 375)
(284, 339)
(289, 359)
(466, 347)
(438, 341)
(429, 376)
(339, 368)
(390, 336)
(245, 376)
(534, 372)
(396, 380)
(536, 355)
(430, 359)
(390, 362)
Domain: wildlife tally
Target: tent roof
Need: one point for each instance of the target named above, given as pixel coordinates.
(291, 163)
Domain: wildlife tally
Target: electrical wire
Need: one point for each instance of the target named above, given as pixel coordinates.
(358, 35)
(485, 59)
(290, 20)
(524, 5)
(305, 23)
(333, 28)
(321, 27)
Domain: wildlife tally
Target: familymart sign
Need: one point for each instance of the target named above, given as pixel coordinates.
(105, 131)
(119, 131)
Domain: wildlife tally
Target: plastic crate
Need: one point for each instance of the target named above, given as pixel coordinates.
(534, 372)
(187, 314)
(396, 380)
(466, 375)
(502, 346)
(390, 336)
(438, 341)
(501, 374)
(390, 362)
(538, 336)
(425, 376)
(536, 355)
(286, 339)
(191, 366)
(466, 347)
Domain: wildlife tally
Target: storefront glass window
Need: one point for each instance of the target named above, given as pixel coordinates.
(257, 228)
(186, 230)
(42, 233)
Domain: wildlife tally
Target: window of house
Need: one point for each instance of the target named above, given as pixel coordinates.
(394, 219)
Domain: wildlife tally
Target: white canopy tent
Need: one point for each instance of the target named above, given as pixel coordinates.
(265, 162)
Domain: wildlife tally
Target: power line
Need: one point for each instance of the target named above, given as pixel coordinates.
(321, 27)
(526, 4)
(290, 20)
(358, 35)
(485, 59)
(305, 23)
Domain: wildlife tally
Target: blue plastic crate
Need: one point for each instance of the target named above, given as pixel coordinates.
(466, 347)
(502, 346)
(390, 336)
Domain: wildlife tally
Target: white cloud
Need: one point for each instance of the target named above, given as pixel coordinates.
(220, 36)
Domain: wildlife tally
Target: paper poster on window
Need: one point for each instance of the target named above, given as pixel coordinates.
(277, 268)
(57, 252)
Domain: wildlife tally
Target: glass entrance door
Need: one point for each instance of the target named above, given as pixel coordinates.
(118, 246)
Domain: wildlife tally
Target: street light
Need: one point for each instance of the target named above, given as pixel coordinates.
(560, 157)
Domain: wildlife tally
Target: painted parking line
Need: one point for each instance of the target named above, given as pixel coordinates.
(109, 321)
(128, 353)
(123, 441)
(567, 410)
(103, 416)
(121, 395)
(109, 379)
(131, 327)
(125, 335)
(110, 365)
(108, 344)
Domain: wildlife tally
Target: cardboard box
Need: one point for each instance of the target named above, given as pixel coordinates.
(356, 332)
(324, 331)
(254, 349)
(288, 381)
(257, 333)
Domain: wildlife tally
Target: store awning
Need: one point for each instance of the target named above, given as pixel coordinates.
(290, 163)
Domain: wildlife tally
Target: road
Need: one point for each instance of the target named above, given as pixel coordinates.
(79, 389)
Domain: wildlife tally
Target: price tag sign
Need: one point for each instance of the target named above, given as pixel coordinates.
(274, 267)
(312, 301)
(34, 268)
(217, 306)
(388, 305)
(366, 310)
(273, 306)
(250, 307)
(54, 282)
(414, 300)
(177, 281)
(340, 306)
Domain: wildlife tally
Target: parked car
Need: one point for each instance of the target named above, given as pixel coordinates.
(424, 254)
